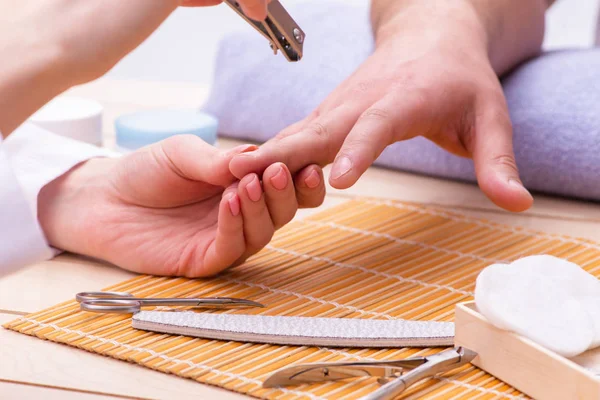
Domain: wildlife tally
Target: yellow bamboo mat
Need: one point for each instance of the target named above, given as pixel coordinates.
(363, 259)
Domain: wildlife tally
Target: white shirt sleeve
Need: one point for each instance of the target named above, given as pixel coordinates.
(30, 158)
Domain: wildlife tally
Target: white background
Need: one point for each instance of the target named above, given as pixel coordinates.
(183, 48)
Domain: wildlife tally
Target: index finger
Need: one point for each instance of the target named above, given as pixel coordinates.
(316, 143)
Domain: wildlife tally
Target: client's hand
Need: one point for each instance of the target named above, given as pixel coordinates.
(430, 75)
(173, 208)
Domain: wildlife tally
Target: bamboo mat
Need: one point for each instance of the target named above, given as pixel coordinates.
(363, 259)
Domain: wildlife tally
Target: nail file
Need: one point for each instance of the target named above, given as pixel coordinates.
(301, 331)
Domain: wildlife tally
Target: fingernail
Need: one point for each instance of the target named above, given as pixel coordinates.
(245, 148)
(254, 190)
(341, 167)
(234, 204)
(313, 179)
(516, 184)
(280, 180)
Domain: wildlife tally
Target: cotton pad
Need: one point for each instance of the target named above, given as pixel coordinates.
(572, 278)
(547, 299)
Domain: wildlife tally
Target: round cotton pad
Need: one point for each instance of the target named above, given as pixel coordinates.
(147, 127)
(535, 306)
(74, 117)
(572, 278)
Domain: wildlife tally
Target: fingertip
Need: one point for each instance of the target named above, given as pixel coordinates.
(277, 176)
(344, 173)
(250, 188)
(310, 187)
(508, 194)
(310, 177)
(314, 179)
(233, 203)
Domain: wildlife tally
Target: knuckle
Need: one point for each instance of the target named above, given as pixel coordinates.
(315, 114)
(505, 160)
(374, 124)
(360, 88)
(421, 104)
(318, 129)
(375, 113)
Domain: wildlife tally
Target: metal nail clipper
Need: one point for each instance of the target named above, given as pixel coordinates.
(390, 373)
(279, 28)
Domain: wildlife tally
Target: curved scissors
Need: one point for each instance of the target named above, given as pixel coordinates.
(126, 303)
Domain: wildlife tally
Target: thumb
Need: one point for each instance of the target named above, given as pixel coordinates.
(255, 9)
(192, 158)
(495, 164)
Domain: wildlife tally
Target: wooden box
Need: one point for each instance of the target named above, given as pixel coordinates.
(525, 365)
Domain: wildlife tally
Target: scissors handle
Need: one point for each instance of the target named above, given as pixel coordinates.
(120, 302)
(85, 296)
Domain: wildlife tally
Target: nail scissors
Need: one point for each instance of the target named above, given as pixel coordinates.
(126, 303)
(421, 368)
(279, 28)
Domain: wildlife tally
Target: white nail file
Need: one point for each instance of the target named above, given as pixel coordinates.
(302, 331)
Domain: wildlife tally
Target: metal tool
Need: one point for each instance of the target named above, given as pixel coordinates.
(126, 303)
(391, 373)
(279, 28)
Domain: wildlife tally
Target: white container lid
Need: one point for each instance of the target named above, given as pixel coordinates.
(74, 117)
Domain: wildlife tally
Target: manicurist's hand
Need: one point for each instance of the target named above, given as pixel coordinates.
(434, 74)
(47, 46)
(99, 33)
(173, 208)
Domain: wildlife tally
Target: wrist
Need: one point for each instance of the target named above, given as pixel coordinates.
(67, 205)
(514, 28)
(421, 22)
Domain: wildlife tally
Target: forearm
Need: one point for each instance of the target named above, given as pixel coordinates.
(48, 46)
(24, 88)
(30, 64)
(510, 30)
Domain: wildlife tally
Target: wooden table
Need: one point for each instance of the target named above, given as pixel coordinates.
(32, 368)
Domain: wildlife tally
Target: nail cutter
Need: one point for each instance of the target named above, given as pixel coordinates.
(390, 372)
(279, 28)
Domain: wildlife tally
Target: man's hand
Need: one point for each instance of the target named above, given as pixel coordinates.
(430, 75)
(173, 208)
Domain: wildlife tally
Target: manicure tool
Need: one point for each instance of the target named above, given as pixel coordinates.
(299, 331)
(421, 368)
(125, 303)
(279, 28)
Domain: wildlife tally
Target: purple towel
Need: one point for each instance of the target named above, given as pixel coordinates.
(554, 101)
